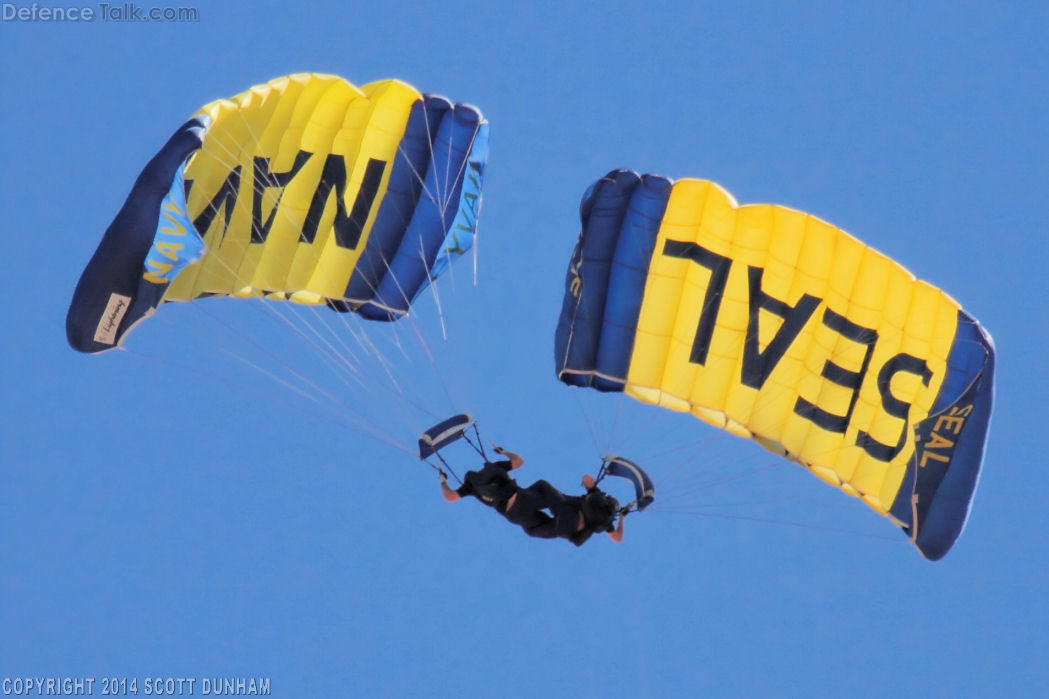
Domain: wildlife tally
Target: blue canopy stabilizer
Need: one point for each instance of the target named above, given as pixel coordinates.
(443, 434)
(624, 468)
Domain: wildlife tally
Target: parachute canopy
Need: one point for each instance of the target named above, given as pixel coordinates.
(304, 188)
(780, 327)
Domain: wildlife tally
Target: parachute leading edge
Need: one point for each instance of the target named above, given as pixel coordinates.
(778, 326)
(305, 188)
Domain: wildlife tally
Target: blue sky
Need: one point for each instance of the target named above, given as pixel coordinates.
(170, 511)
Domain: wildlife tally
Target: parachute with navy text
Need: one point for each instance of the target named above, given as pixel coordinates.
(305, 188)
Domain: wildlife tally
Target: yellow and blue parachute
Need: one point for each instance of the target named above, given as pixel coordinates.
(780, 327)
(304, 188)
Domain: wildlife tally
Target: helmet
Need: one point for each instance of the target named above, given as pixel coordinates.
(599, 510)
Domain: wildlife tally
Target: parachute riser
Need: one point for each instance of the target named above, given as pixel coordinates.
(479, 447)
(447, 468)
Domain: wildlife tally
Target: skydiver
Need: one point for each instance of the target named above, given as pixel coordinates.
(571, 517)
(575, 517)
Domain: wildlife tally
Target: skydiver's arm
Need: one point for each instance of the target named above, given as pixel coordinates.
(515, 460)
(617, 535)
(449, 494)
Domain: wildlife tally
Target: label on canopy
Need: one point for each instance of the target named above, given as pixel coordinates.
(460, 237)
(176, 244)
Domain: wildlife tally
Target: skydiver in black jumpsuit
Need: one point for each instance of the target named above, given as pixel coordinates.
(541, 510)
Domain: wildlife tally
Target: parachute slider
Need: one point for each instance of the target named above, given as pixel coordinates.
(443, 434)
(624, 468)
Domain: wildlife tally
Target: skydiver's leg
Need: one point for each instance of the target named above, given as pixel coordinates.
(565, 510)
(550, 497)
(527, 510)
(527, 504)
(542, 527)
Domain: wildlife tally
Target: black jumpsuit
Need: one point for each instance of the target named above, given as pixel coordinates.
(492, 485)
(565, 511)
